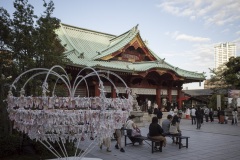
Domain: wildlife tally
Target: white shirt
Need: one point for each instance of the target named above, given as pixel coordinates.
(193, 112)
(155, 105)
(171, 112)
(235, 114)
(149, 103)
(206, 111)
(188, 111)
(129, 124)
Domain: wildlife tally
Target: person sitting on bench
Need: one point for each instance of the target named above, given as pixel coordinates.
(174, 127)
(166, 124)
(156, 131)
(131, 129)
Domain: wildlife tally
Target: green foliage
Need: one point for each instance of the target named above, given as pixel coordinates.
(213, 101)
(49, 47)
(26, 42)
(227, 75)
(23, 31)
(217, 80)
(232, 73)
(61, 91)
(35, 44)
(5, 31)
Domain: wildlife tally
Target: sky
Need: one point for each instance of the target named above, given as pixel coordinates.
(184, 32)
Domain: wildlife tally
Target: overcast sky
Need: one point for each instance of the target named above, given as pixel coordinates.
(183, 32)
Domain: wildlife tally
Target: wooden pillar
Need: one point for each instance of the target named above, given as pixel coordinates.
(179, 97)
(96, 89)
(113, 92)
(169, 90)
(158, 97)
(169, 94)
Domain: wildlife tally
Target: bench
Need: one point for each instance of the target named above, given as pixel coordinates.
(153, 142)
(181, 138)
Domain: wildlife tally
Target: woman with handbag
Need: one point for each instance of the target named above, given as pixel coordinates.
(133, 130)
(174, 128)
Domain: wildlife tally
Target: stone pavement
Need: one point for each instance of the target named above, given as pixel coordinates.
(213, 141)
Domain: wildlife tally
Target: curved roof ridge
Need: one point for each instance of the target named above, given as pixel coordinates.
(163, 64)
(127, 34)
(132, 32)
(135, 28)
(186, 71)
(120, 38)
(89, 30)
(70, 31)
(69, 40)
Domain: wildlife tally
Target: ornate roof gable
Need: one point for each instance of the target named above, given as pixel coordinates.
(134, 50)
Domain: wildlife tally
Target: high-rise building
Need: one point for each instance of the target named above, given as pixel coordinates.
(222, 53)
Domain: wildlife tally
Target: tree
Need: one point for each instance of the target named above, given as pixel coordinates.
(48, 46)
(217, 79)
(50, 50)
(23, 30)
(27, 42)
(5, 65)
(225, 77)
(232, 73)
(213, 101)
(5, 32)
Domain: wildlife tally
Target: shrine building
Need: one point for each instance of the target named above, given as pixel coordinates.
(149, 76)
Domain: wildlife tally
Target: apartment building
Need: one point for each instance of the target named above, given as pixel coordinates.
(222, 53)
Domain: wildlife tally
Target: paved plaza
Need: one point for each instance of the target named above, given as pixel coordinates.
(213, 141)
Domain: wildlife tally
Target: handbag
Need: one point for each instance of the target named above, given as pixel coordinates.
(173, 129)
(136, 132)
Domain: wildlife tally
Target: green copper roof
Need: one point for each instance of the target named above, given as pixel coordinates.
(85, 47)
(83, 41)
(118, 42)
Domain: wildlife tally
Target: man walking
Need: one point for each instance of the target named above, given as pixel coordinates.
(206, 112)
(193, 115)
(199, 117)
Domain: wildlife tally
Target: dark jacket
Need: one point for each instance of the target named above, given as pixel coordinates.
(198, 114)
(155, 111)
(222, 113)
(159, 114)
(155, 130)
